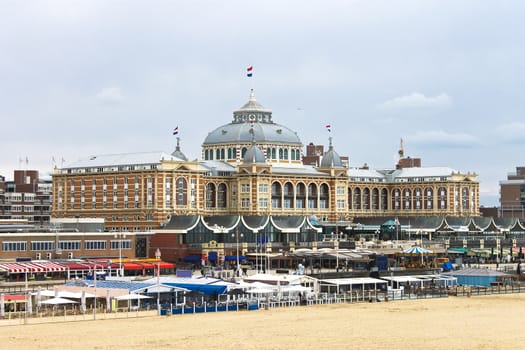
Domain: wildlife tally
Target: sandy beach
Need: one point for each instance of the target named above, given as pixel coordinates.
(484, 322)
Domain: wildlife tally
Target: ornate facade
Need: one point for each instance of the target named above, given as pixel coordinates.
(252, 167)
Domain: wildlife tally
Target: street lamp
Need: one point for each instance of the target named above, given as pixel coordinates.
(236, 235)
(157, 256)
(120, 236)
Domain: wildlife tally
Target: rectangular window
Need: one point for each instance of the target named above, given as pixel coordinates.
(95, 245)
(42, 245)
(245, 203)
(14, 246)
(263, 188)
(114, 244)
(245, 188)
(69, 245)
(263, 202)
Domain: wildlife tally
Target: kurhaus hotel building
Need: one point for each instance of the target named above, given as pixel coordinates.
(252, 186)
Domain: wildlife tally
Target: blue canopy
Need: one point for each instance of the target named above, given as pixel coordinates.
(209, 289)
(191, 258)
(234, 258)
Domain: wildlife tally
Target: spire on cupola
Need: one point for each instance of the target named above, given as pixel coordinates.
(331, 159)
(178, 153)
(254, 155)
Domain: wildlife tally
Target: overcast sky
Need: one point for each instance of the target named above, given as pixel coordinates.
(79, 78)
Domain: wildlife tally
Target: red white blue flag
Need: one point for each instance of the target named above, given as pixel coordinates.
(328, 127)
(176, 131)
(249, 71)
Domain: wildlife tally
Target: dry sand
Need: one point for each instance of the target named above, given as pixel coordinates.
(481, 322)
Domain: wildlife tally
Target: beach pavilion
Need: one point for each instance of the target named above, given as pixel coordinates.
(350, 285)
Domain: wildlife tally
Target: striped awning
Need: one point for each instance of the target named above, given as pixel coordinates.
(14, 268)
(32, 267)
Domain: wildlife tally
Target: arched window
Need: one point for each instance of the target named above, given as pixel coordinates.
(205, 154)
(182, 191)
(357, 199)
(221, 196)
(276, 195)
(418, 199)
(281, 153)
(465, 200)
(384, 199)
(324, 196)
(366, 198)
(375, 199)
(428, 196)
(442, 198)
(312, 196)
(243, 152)
(285, 153)
(300, 195)
(407, 199)
(210, 195)
(222, 153)
(288, 195)
(396, 199)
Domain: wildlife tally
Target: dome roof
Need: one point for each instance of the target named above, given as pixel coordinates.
(254, 155)
(252, 115)
(331, 159)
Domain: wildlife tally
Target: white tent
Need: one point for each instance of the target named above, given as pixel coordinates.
(132, 296)
(261, 291)
(58, 301)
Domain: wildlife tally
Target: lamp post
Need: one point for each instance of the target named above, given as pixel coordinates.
(95, 286)
(27, 295)
(120, 236)
(157, 256)
(236, 235)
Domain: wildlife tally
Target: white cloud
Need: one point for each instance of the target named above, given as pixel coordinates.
(512, 132)
(110, 95)
(418, 100)
(442, 138)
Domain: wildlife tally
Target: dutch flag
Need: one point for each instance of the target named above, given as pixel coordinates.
(249, 71)
(328, 127)
(176, 131)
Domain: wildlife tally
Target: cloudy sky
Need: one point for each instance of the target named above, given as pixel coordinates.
(79, 78)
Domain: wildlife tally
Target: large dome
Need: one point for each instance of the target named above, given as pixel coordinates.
(252, 115)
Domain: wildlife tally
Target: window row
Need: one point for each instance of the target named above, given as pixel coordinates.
(234, 153)
(20, 246)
